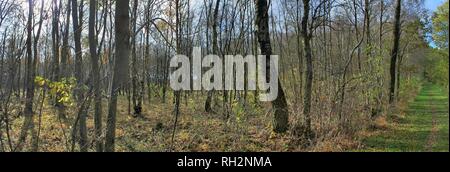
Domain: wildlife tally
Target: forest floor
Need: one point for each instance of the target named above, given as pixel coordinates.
(152, 132)
(423, 128)
(247, 129)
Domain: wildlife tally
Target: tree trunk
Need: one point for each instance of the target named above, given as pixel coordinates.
(65, 47)
(122, 23)
(367, 8)
(95, 77)
(281, 115)
(77, 28)
(137, 107)
(355, 15)
(215, 51)
(28, 123)
(55, 42)
(309, 68)
(395, 50)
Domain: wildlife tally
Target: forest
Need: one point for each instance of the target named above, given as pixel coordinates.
(97, 76)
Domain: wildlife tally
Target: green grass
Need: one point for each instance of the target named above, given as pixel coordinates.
(416, 132)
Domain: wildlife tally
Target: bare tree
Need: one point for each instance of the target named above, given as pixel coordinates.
(77, 17)
(65, 51)
(309, 67)
(28, 124)
(281, 115)
(395, 51)
(215, 48)
(95, 73)
(137, 104)
(55, 40)
(122, 23)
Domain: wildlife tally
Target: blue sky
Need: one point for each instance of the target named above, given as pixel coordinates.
(433, 4)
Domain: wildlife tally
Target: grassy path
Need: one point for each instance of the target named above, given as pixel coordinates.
(424, 129)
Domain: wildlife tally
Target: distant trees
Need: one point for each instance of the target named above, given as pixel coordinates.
(333, 76)
(436, 67)
(5, 8)
(440, 26)
(437, 62)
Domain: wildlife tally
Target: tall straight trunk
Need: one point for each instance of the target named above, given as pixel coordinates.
(281, 115)
(379, 100)
(95, 77)
(55, 41)
(35, 136)
(137, 107)
(65, 45)
(55, 67)
(30, 72)
(2, 83)
(309, 67)
(367, 25)
(122, 23)
(177, 94)
(299, 48)
(381, 26)
(215, 51)
(395, 50)
(147, 59)
(2, 63)
(77, 28)
(355, 15)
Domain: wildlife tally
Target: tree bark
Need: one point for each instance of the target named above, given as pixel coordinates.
(65, 44)
(395, 50)
(55, 41)
(281, 115)
(309, 68)
(77, 28)
(95, 76)
(137, 106)
(122, 23)
(28, 123)
(215, 47)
